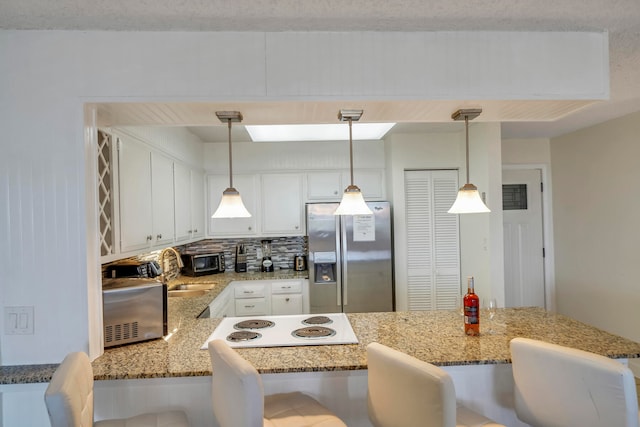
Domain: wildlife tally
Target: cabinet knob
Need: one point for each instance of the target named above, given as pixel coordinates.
(159, 236)
(189, 231)
(195, 231)
(249, 228)
(335, 192)
(149, 237)
(297, 227)
(286, 299)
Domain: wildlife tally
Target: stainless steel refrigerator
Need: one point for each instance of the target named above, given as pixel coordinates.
(350, 259)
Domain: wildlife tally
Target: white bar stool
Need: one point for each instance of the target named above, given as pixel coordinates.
(558, 386)
(406, 392)
(239, 401)
(69, 400)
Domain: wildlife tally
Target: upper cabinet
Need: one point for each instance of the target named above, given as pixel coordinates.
(197, 204)
(232, 227)
(324, 186)
(189, 202)
(136, 227)
(157, 200)
(282, 204)
(146, 197)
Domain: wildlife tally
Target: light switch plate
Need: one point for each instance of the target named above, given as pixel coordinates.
(18, 320)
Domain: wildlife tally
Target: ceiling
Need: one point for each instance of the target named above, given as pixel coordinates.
(621, 18)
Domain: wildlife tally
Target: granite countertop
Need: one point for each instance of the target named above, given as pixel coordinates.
(433, 336)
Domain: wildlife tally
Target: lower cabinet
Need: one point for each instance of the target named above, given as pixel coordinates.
(251, 298)
(286, 304)
(269, 297)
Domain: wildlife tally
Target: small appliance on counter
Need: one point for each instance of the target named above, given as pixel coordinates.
(300, 262)
(134, 309)
(203, 264)
(267, 264)
(148, 269)
(241, 259)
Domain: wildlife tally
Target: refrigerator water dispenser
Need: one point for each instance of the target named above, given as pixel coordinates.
(324, 267)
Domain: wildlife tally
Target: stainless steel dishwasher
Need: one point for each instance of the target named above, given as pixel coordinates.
(134, 309)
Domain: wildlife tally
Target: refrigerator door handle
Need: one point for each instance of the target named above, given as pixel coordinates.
(343, 262)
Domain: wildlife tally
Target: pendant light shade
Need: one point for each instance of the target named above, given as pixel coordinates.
(468, 199)
(352, 201)
(231, 205)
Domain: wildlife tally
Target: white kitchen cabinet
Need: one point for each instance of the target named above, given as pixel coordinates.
(328, 186)
(282, 204)
(370, 181)
(236, 227)
(251, 298)
(182, 181)
(146, 197)
(286, 297)
(324, 186)
(162, 199)
(189, 203)
(286, 304)
(197, 204)
(223, 304)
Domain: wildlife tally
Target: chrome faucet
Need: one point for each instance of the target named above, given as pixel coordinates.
(161, 260)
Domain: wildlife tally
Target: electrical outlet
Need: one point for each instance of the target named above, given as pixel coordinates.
(18, 320)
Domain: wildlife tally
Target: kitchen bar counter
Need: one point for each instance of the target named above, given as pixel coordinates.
(433, 336)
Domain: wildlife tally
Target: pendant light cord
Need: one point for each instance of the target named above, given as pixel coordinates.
(230, 162)
(350, 152)
(466, 126)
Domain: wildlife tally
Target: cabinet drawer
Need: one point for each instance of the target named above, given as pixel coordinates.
(251, 307)
(286, 304)
(286, 287)
(249, 290)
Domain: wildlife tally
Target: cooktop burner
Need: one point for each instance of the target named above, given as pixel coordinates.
(239, 336)
(317, 320)
(254, 324)
(313, 332)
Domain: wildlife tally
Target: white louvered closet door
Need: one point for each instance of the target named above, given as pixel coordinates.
(433, 244)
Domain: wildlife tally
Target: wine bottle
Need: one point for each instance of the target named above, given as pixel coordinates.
(471, 310)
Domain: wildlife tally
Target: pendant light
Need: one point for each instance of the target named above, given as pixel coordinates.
(231, 205)
(468, 200)
(352, 201)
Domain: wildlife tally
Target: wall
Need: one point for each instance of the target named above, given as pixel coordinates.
(481, 253)
(46, 172)
(526, 151)
(596, 209)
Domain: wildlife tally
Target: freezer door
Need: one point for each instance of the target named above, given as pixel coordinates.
(367, 276)
(324, 256)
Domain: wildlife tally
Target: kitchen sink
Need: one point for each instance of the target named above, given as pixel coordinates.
(187, 292)
(190, 289)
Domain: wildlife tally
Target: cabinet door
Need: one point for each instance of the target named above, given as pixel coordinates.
(251, 307)
(182, 181)
(162, 198)
(282, 205)
(371, 183)
(136, 229)
(324, 186)
(286, 304)
(246, 185)
(197, 204)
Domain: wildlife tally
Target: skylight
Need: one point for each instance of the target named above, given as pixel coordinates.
(326, 132)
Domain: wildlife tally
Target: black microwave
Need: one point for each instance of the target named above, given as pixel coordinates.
(203, 264)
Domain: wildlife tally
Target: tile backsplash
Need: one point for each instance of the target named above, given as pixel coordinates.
(283, 249)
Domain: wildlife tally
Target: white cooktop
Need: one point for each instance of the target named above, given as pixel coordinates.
(280, 335)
